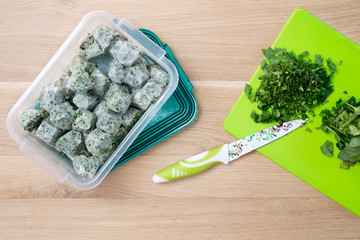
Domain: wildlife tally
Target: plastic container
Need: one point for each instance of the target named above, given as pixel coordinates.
(55, 163)
(178, 112)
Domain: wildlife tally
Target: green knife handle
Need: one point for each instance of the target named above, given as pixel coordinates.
(193, 165)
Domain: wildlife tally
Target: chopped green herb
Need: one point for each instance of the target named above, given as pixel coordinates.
(345, 92)
(308, 129)
(248, 91)
(340, 62)
(328, 148)
(344, 122)
(291, 86)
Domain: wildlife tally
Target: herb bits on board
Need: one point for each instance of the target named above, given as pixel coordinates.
(291, 85)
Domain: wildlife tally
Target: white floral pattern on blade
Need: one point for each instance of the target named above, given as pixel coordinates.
(261, 138)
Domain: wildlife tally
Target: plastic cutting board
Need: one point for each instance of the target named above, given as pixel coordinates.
(299, 152)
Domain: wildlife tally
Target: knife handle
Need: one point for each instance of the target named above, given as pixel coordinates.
(193, 165)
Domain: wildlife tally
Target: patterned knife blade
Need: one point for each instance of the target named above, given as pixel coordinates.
(226, 153)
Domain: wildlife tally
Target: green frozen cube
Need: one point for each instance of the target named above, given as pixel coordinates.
(115, 46)
(139, 100)
(30, 119)
(103, 36)
(127, 54)
(100, 108)
(130, 117)
(109, 122)
(80, 81)
(62, 116)
(86, 100)
(117, 71)
(137, 76)
(101, 158)
(84, 166)
(48, 132)
(64, 82)
(152, 90)
(80, 62)
(100, 80)
(90, 49)
(99, 142)
(70, 143)
(84, 120)
(50, 96)
(143, 61)
(158, 74)
(117, 99)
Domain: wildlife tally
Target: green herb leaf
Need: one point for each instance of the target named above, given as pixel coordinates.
(350, 154)
(354, 130)
(248, 91)
(268, 53)
(355, 142)
(318, 59)
(328, 148)
(304, 55)
(331, 65)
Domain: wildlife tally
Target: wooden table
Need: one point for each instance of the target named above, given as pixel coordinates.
(218, 45)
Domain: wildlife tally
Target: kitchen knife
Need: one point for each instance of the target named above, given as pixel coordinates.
(226, 153)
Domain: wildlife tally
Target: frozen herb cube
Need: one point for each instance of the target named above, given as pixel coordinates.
(100, 108)
(115, 46)
(80, 81)
(121, 134)
(101, 158)
(152, 90)
(99, 142)
(90, 49)
(62, 116)
(130, 117)
(139, 100)
(82, 151)
(103, 36)
(51, 95)
(137, 76)
(70, 143)
(85, 166)
(43, 113)
(127, 55)
(109, 122)
(30, 119)
(158, 74)
(80, 62)
(84, 120)
(86, 100)
(117, 71)
(143, 61)
(48, 132)
(100, 80)
(64, 82)
(117, 99)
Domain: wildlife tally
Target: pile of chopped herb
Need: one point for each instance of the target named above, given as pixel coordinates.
(291, 86)
(343, 120)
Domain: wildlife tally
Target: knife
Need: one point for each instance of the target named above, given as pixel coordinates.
(225, 153)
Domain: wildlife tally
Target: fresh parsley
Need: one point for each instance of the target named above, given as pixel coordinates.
(291, 86)
(343, 121)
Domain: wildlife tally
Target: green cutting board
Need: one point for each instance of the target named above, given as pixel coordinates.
(299, 152)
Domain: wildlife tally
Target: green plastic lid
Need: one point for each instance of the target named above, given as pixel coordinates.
(178, 112)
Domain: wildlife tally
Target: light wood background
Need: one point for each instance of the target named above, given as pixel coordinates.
(218, 45)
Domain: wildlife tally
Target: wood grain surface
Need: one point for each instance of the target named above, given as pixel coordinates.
(218, 45)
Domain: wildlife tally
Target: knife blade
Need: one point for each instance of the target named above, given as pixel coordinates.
(225, 153)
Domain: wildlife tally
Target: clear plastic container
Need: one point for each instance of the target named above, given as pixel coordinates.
(55, 163)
